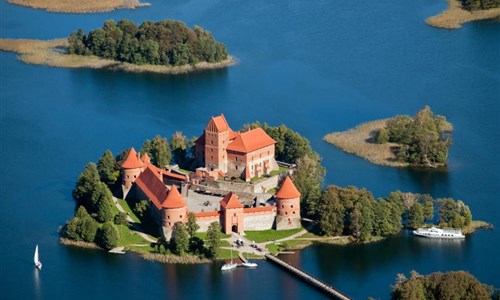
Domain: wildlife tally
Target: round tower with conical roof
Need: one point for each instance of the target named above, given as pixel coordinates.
(173, 210)
(288, 206)
(132, 167)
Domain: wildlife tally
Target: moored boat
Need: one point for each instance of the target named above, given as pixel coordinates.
(37, 262)
(434, 232)
(231, 265)
(249, 265)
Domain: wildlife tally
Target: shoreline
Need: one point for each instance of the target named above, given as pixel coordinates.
(357, 141)
(53, 53)
(79, 7)
(454, 16)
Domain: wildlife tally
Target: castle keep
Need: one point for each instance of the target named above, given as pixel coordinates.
(225, 153)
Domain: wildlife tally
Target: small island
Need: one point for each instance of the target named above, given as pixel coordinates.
(193, 200)
(402, 141)
(79, 7)
(464, 11)
(167, 47)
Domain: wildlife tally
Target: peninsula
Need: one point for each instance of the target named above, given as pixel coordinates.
(127, 47)
(79, 7)
(402, 141)
(456, 14)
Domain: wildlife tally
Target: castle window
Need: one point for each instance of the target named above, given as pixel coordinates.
(211, 157)
(180, 216)
(235, 214)
(169, 223)
(212, 142)
(128, 176)
(294, 212)
(236, 167)
(236, 158)
(135, 176)
(268, 153)
(282, 206)
(168, 217)
(291, 206)
(286, 213)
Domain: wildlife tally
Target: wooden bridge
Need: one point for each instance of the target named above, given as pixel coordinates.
(325, 288)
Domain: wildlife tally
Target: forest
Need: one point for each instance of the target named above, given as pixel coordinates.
(167, 42)
(480, 4)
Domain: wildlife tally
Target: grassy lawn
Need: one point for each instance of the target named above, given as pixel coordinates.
(269, 235)
(184, 171)
(128, 236)
(225, 244)
(310, 235)
(226, 254)
(203, 235)
(127, 208)
(146, 249)
(281, 170)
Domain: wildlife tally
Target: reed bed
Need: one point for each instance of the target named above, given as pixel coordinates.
(174, 259)
(80, 244)
(359, 141)
(454, 16)
(80, 6)
(54, 53)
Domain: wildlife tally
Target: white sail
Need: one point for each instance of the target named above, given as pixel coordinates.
(35, 258)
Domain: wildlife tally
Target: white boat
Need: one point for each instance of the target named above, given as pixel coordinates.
(434, 232)
(249, 265)
(37, 262)
(230, 266)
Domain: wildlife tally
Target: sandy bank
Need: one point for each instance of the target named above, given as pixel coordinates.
(54, 53)
(454, 16)
(79, 7)
(358, 141)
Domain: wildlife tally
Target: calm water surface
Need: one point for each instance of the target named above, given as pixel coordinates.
(316, 66)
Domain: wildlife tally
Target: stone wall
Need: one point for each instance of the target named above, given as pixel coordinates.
(259, 220)
(204, 223)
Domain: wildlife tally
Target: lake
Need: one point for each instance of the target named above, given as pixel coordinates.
(316, 66)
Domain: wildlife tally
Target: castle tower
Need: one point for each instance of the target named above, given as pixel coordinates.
(173, 210)
(131, 169)
(216, 141)
(231, 214)
(288, 206)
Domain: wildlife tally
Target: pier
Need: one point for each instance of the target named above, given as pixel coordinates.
(325, 288)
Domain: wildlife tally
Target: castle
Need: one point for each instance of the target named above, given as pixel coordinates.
(224, 151)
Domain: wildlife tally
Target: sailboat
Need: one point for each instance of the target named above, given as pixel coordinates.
(37, 262)
(230, 266)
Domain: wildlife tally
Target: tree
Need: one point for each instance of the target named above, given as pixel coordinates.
(71, 229)
(85, 185)
(141, 208)
(178, 145)
(450, 285)
(382, 136)
(107, 168)
(213, 240)
(102, 203)
(108, 236)
(331, 212)
(416, 216)
(180, 239)
(308, 179)
(158, 150)
(120, 218)
(82, 226)
(192, 226)
(88, 229)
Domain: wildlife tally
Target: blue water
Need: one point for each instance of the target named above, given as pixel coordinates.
(317, 67)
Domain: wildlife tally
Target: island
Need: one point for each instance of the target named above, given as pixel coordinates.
(257, 191)
(167, 47)
(79, 7)
(464, 11)
(402, 141)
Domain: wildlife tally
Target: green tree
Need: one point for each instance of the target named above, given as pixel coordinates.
(120, 218)
(85, 185)
(180, 239)
(71, 229)
(108, 236)
(102, 203)
(158, 150)
(107, 168)
(141, 208)
(416, 216)
(178, 145)
(308, 179)
(88, 229)
(331, 212)
(382, 136)
(213, 240)
(192, 226)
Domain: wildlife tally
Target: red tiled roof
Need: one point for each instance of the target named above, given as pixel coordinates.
(220, 123)
(132, 161)
(231, 201)
(174, 199)
(146, 158)
(175, 175)
(205, 214)
(250, 141)
(288, 190)
(259, 209)
(233, 134)
(152, 186)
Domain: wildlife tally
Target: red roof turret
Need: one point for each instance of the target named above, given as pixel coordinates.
(174, 199)
(231, 201)
(132, 161)
(288, 190)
